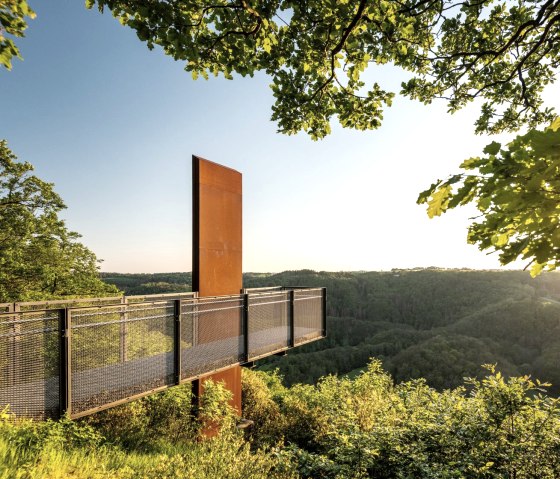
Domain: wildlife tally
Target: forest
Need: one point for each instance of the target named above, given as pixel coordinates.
(437, 324)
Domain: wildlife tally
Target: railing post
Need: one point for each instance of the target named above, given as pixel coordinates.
(324, 308)
(124, 330)
(65, 375)
(14, 352)
(292, 336)
(245, 326)
(177, 340)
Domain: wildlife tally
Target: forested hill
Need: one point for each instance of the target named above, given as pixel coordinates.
(438, 324)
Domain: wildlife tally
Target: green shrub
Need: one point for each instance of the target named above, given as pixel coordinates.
(261, 393)
(342, 428)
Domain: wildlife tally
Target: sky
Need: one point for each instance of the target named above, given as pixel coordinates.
(113, 125)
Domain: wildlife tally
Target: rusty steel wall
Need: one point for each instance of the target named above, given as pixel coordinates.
(217, 255)
(217, 229)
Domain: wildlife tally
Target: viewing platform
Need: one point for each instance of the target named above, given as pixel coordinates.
(81, 356)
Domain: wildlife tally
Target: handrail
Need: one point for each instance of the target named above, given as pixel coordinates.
(97, 301)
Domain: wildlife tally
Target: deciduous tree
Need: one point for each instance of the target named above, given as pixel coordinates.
(516, 188)
(39, 257)
(317, 51)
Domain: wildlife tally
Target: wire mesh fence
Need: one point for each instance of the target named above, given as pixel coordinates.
(268, 328)
(211, 334)
(89, 355)
(29, 362)
(308, 315)
(120, 351)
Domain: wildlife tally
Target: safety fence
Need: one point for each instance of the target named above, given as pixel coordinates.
(81, 356)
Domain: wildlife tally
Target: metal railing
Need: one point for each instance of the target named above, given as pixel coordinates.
(81, 356)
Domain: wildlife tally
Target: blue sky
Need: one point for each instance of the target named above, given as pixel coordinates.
(113, 126)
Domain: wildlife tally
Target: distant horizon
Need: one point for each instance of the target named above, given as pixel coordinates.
(418, 268)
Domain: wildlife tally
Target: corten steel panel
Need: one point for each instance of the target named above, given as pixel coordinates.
(217, 225)
(217, 257)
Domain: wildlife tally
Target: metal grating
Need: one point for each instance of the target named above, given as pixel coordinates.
(308, 315)
(120, 351)
(211, 334)
(29, 373)
(268, 326)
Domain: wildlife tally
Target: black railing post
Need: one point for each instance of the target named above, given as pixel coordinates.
(324, 312)
(245, 326)
(292, 336)
(177, 356)
(65, 362)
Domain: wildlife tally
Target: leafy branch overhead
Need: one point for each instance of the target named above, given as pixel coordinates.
(317, 52)
(13, 23)
(516, 188)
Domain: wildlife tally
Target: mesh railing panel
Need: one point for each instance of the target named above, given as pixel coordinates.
(308, 315)
(29, 363)
(211, 334)
(120, 351)
(268, 323)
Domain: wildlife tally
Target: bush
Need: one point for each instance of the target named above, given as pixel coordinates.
(341, 428)
(261, 393)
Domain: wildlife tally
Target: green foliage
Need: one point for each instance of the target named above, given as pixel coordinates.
(516, 188)
(39, 257)
(317, 52)
(434, 324)
(408, 318)
(367, 427)
(261, 393)
(12, 22)
(148, 438)
(340, 428)
(155, 283)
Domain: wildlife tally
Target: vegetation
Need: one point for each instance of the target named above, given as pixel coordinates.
(138, 284)
(341, 428)
(440, 325)
(152, 437)
(13, 15)
(516, 188)
(317, 52)
(39, 257)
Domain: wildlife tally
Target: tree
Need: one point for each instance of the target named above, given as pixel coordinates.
(12, 22)
(317, 51)
(516, 188)
(39, 257)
